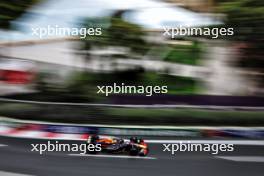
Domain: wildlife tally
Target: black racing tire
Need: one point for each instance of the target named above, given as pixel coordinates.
(133, 151)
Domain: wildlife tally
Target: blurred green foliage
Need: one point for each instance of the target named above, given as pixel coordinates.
(135, 116)
(82, 86)
(185, 54)
(12, 9)
(247, 19)
(85, 83)
(246, 16)
(116, 32)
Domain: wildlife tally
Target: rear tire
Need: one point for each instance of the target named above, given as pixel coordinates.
(133, 153)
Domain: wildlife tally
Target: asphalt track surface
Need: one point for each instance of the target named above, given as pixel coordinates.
(16, 157)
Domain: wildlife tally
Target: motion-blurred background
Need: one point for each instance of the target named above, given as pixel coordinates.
(224, 73)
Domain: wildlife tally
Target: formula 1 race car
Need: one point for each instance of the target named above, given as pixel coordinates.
(113, 145)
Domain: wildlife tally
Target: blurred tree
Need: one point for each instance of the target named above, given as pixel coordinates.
(247, 19)
(116, 32)
(12, 9)
(122, 33)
